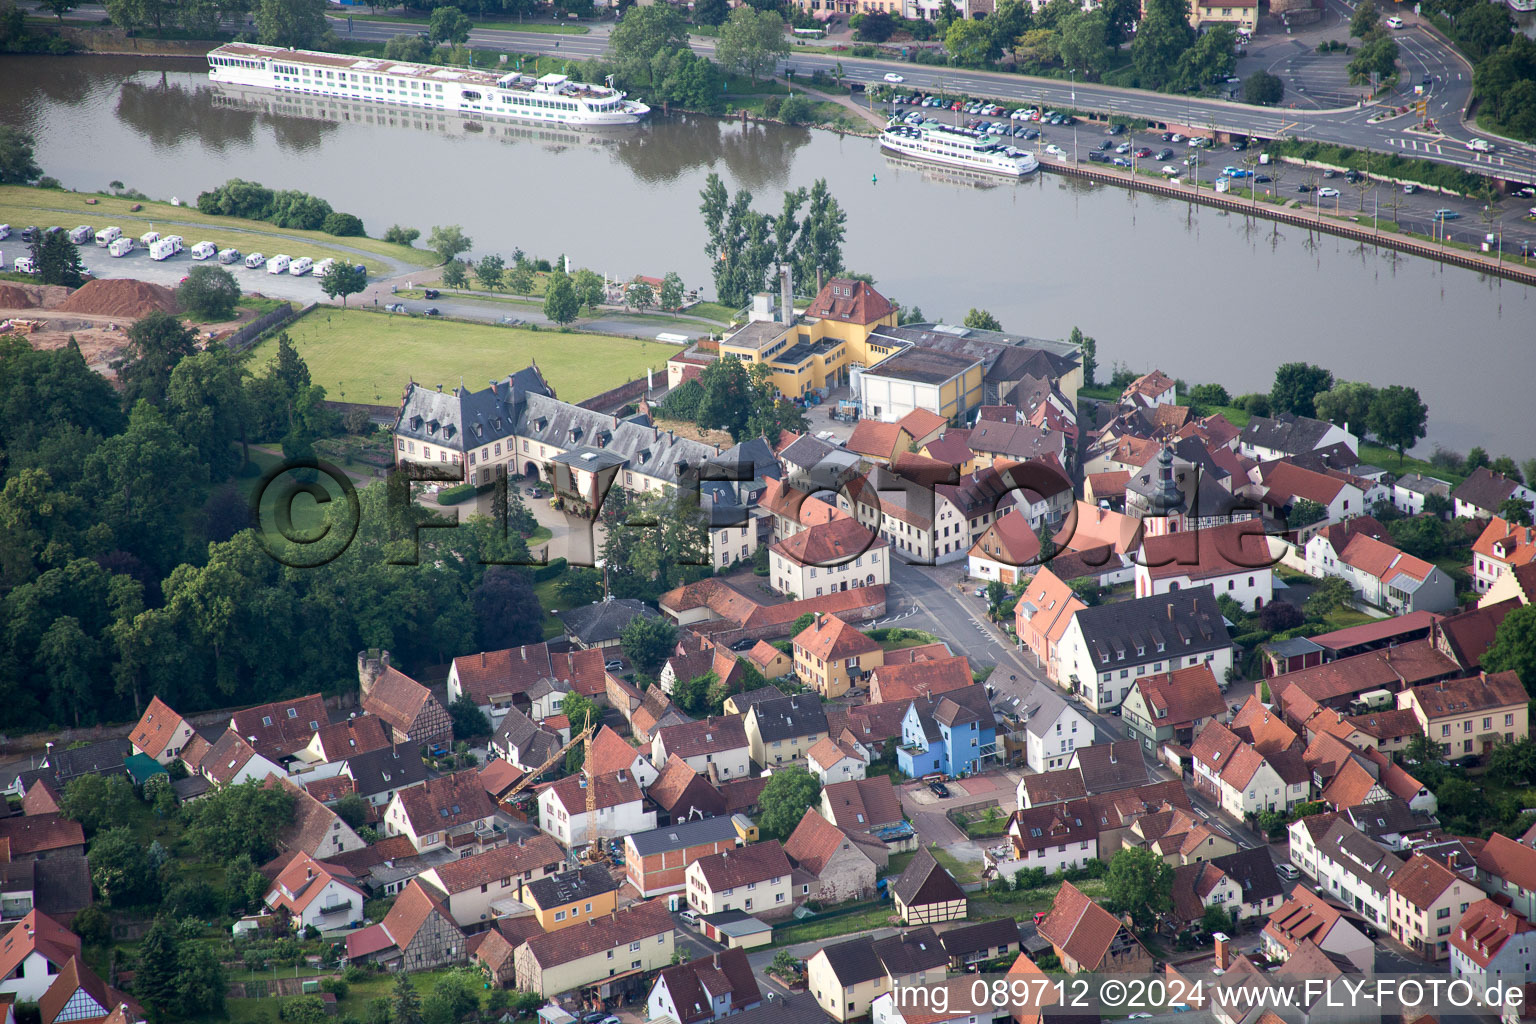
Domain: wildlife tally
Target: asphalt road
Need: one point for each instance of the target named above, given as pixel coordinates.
(1346, 126)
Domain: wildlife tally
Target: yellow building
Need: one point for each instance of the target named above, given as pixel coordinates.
(1472, 715)
(1242, 15)
(817, 349)
(846, 978)
(921, 378)
(1426, 900)
(603, 952)
(571, 897)
(831, 656)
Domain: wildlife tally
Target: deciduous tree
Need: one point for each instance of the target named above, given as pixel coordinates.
(1140, 883)
(645, 39)
(1514, 647)
(449, 25)
(648, 641)
(1263, 89)
(1398, 417)
(561, 303)
(156, 343)
(981, 320)
(296, 23)
(209, 293)
(752, 41)
(448, 241)
(1297, 385)
(343, 278)
(489, 269)
(784, 800)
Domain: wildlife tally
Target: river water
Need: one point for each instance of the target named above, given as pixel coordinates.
(1204, 295)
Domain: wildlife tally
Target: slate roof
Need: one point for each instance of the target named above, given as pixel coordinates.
(463, 419)
(858, 805)
(603, 621)
(532, 744)
(580, 883)
(1108, 767)
(925, 882)
(682, 835)
(1484, 489)
(980, 936)
(853, 962)
(282, 726)
(911, 952)
(62, 884)
(1285, 433)
(789, 717)
(1186, 622)
(379, 771)
(1254, 871)
(1051, 825)
(100, 758)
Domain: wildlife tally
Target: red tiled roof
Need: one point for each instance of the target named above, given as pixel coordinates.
(41, 798)
(611, 791)
(1009, 540)
(1409, 663)
(1208, 553)
(410, 911)
(36, 933)
(1182, 696)
(39, 833)
(835, 543)
(297, 885)
(814, 842)
(861, 804)
(397, 699)
(156, 728)
(742, 865)
(850, 301)
(830, 639)
(873, 438)
(637, 922)
(1262, 728)
(492, 676)
(1507, 543)
(827, 751)
(1482, 692)
(529, 854)
(1504, 858)
(498, 776)
(1422, 880)
(921, 679)
(282, 726)
(711, 735)
(1304, 915)
(353, 736)
(460, 795)
(1079, 927)
(1484, 928)
(612, 753)
(1287, 481)
(1383, 561)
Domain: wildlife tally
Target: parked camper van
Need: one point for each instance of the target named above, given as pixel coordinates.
(301, 266)
(5, 231)
(24, 265)
(164, 249)
(106, 236)
(149, 237)
(120, 247)
(227, 256)
(254, 260)
(204, 251)
(81, 234)
(323, 266)
(177, 241)
(279, 263)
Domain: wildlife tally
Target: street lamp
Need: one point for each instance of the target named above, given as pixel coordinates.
(1072, 113)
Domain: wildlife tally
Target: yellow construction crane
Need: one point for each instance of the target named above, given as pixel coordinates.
(594, 852)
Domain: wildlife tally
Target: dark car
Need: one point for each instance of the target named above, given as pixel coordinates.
(1239, 146)
(594, 1017)
(1164, 154)
(1263, 179)
(1099, 158)
(1032, 133)
(1167, 136)
(1117, 129)
(1120, 161)
(430, 311)
(431, 293)
(1105, 145)
(1352, 176)
(743, 645)
(939, 789)
(1303, 188)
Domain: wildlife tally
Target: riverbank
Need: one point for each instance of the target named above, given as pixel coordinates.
(22, 205)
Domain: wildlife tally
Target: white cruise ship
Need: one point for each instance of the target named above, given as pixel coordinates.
(552, 99)
(958, 147)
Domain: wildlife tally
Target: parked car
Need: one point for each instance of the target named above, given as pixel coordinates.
(430, 293)
(691, 916)
(613, 666)
(1262, 179)
(1167, 136)
(1303, 188)
(1171, 170)
(1410, 188)
(1124, 147)
(1330, 173)
(1444, 214)
(1528, 249)
(1105, 146)
(1142, 153)
(1115, 129)
(939, 789)
(398, 307)
(431, 311)
(1287, 871)
(1327, 192)
(1164, 154)
(1041, 915)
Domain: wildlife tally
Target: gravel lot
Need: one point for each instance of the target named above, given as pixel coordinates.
(139, 266)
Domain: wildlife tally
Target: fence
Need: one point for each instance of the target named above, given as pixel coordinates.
(1470, 261)
(247, 336)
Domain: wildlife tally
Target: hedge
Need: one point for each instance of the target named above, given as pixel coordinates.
(1383, 165)
(455, 494)
(555, 567)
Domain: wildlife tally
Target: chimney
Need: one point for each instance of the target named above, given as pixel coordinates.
(1170, 611)
(1223, 953)
(786, 295)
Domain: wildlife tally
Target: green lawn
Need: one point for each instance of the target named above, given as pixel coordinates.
(362, 356)
(962, 870)
(712, 311)
(880, 915)
(20, 205)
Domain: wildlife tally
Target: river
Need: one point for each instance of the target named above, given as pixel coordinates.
(1204, 295)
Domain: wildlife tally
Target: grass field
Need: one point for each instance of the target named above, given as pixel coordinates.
(361, 356)
(20, 206)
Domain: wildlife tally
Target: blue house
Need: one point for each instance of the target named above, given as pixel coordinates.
(953, 733)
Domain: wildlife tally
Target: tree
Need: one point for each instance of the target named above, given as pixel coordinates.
(506, 609)
(1216, 919)
(59, 7)
(671, 297)
(711, 12)
(122, 871)
(580, 586)
(1039, 47)
(469, 722)
(1421, 750)
(158, 965)
(239, 820)
(520, 278)
(968, 43)
(1398, 417)
(1365, 18)
(1139, 883)
(209, 293)
(1083, 45)
(1296, 387)
(343, 225)
(1331, 594)
(1513, 764)
(455, 274)
(590, 287)
(784, 800)
(398, 235)
(16, 164)
(1514, 647)
(639, 295)
(455, 995)
(448, 241)
(1162, 38)
(295, 23)
(353, 809)
(1211, 59)
(752, 42)
(488, 271)
(98, 802)
(561, 304)
(156, 343)
(1263, 89)
(1376, 59)
(1089, 349)
(405, 1002)
(342, 279)
(57, 260)
(1347, 403)
(820, 245)
(1305, 512)
(648, 641)
(93, 926)
(981, 320)
(645, 40)
(449, 25)
(1515, 511)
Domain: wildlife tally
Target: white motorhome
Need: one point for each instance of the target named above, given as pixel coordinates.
(323, 266)
(279, 263)
(254, 260)
(204, 251)
(149, 237)
(177, 241)
(229, 256)
(81, 234)
(163, 249)
(5, 231)
(24, 265)
(120, 247)
(301, 266)
(106, 236)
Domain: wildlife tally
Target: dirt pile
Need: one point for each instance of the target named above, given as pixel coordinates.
(120, 297)
(12, 297)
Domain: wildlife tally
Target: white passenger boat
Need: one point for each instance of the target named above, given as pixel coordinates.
(551, 99)
(958, 147)
(1521, 6)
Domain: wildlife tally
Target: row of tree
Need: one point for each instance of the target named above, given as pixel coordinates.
(747, 248)
(286, 208)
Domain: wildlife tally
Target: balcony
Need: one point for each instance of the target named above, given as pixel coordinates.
(335, 908)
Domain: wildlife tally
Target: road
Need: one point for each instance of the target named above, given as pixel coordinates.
(1345, 126)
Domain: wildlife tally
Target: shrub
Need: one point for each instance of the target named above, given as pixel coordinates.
(343, 225)
(797, 109)
(771, 105)
(455, 494)
(555, 567)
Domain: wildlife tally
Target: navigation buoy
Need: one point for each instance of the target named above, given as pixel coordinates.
(874, 179)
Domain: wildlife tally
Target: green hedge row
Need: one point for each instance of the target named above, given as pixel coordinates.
(555, 567)
(1423, 172)
(455, 494)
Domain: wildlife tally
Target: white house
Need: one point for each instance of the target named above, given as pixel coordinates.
(1286, 435)
(315, 894)
(619, 811)
(753, 878)
(1409, 492)
(714, 746)
(1053, 836)
(232, 760)
(1493, 944)
(441, 809)
(1107, 647)
(835, 761)
(1234, 560)
(1357, 871)
(472, 884)
(1053, 728)
(1286, 483)
(161, 733)
(32, 953)
(1242, 780)
(1382, 575)
(829, 557)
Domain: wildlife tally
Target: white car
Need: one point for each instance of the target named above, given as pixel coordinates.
(1171, 170)
(1394, 22)
(691, 916)
(1327, 193)
(1055, 150)
(891, 76)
